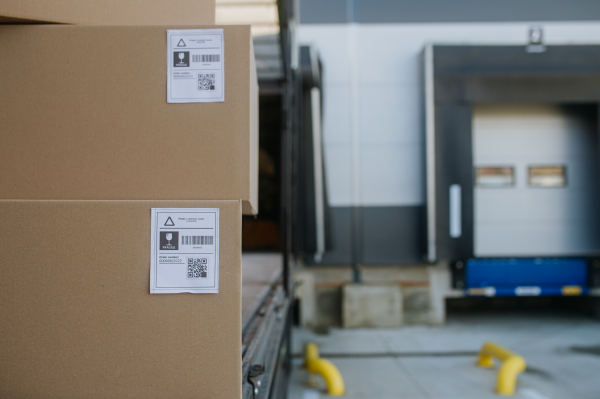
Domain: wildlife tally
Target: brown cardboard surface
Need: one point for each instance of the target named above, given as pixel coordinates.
(77, 317)
(85, 116)
(111, 12)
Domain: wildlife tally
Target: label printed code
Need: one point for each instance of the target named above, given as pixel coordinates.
(197, 240)
(206, 58)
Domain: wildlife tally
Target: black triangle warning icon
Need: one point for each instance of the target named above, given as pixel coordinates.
(169, 222)
(181, 43)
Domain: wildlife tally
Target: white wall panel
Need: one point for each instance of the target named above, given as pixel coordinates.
(336, 114)
(392, 174)
(388, 56)
(338, 174)
(390, 52)
(332, 43)
(391, 114)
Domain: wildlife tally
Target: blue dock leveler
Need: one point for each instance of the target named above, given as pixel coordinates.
(525, 276)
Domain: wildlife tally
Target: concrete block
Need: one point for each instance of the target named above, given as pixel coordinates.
(417, 305)
(371, 305)
(440, 289)
(329, 306)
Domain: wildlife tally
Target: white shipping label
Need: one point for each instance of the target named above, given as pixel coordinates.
(185, 250)
(195, 65)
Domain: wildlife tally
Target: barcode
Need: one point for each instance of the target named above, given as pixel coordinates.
(196, 240)
(206, 58)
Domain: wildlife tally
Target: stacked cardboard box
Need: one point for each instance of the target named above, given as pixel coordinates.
(85, 116)
(77, 317)
(90, 146)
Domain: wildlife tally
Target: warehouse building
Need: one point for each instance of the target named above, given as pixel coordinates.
(457, 136)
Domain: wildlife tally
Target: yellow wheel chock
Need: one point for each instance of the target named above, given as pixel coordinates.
(512, 365)
(314, 364)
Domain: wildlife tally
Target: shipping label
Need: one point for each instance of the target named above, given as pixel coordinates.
(195, 65)
(185, 250)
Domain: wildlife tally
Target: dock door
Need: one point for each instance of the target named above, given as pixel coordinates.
(535, 180)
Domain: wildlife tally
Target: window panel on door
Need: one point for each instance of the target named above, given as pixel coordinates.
(547, 176)
(494, 176)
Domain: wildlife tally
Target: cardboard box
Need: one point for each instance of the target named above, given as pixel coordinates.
(109, 12)
(85, 116)
(78, 320)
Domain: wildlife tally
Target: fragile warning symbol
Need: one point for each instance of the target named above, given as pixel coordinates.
(181, 43)
(169, 222)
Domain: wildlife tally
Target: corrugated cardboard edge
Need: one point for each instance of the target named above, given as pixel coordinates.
(11, 20)
(8, 17)
(251, 208)
(12, 13)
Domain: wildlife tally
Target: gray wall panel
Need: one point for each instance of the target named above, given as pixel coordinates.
(454, 165)
(323, 12)
(470, 74)
(458, 60)
(392, 235)
(399, 11)
(341, 219)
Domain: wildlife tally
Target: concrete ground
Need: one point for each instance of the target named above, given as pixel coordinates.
(562, 352)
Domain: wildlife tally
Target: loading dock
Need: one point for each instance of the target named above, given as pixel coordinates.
(534, 196)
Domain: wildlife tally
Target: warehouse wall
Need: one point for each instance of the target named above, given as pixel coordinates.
(373, 132)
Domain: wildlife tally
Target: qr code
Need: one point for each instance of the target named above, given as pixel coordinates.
(197, 267)
(206, 81)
